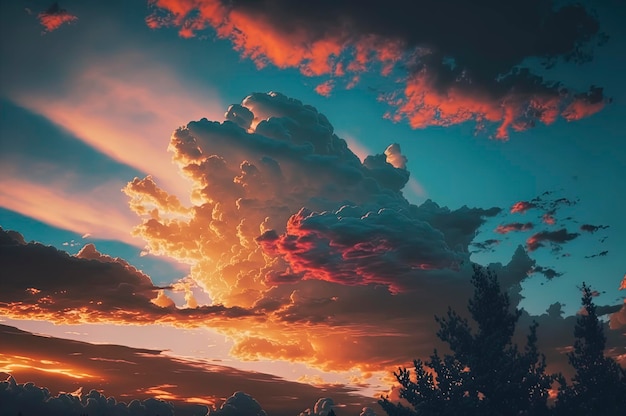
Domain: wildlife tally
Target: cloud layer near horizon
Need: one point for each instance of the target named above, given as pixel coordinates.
(448, 62)
(71, 366)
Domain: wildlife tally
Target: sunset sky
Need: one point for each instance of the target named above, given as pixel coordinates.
(277, 197)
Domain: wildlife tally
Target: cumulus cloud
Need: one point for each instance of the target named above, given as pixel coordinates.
(240, 404)
(55, 17)
(30, 399)
(449, 70)
(321, 408)
(286, 220)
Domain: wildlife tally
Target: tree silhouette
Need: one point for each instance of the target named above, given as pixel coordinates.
(487, 373)
(599, 386)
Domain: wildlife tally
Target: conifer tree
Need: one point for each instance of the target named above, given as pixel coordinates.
(487, 374)
(599, 386)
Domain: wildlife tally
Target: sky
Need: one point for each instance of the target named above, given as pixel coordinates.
(278, 197)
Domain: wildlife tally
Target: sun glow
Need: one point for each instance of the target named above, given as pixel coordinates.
(14, 363)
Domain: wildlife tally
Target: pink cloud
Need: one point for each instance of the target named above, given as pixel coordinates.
(522, 207)
(515, 226)
(325, 88)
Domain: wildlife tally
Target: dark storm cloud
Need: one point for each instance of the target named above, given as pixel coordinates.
(461, 60)
(87, 287)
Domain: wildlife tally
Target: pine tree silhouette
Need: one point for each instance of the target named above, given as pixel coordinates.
(487, 373)
(599, 386)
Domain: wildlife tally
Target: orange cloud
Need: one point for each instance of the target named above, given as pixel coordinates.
(88, 287)
(448, 77)
(55, 17)
(189, 385)
(251, 176)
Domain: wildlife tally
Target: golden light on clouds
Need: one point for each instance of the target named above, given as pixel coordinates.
(15, 364)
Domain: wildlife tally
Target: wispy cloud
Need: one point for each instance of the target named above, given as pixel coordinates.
(95, 211)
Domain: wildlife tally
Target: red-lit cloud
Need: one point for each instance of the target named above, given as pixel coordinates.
(522, 207)
(449, 71)
(55, 17)
(554, 237)
(514, 226)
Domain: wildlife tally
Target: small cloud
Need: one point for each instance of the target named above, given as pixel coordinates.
(548, 272)
(522, 207)
(600, 254)
(486, 245)
(55, 17)
(554, 237)
(515, 226)
(593, 228)
(325, 88)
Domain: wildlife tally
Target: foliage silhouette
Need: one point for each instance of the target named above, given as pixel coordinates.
(487, 373)
(599, 386)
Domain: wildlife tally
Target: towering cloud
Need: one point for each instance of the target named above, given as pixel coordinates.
(284, 219)
(456, 61)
